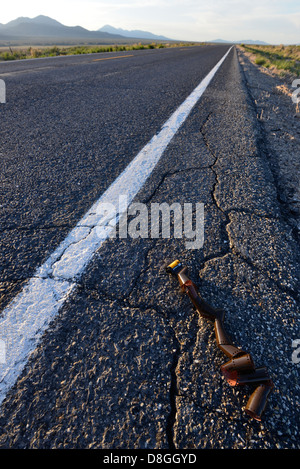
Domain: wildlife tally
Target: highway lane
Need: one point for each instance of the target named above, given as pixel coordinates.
(127, 363)
(70, 125)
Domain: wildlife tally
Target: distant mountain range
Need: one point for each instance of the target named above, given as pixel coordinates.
(136, 33)
(42, 28)
(246, 41)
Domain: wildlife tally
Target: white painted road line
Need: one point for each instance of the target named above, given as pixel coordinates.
(27, 317)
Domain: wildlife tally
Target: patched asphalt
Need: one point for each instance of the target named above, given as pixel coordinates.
(128, 363)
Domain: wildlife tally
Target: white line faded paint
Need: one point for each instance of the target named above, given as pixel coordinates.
(27, 317)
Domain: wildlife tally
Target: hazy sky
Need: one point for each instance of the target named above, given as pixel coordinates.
(273, 21)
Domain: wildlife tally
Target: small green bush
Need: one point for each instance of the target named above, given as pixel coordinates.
(260, 60)
(7, 56)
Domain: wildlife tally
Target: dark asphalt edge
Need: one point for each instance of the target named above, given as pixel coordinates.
(260, 152)
(264, 150)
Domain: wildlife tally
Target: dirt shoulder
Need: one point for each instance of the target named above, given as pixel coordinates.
(279, 121)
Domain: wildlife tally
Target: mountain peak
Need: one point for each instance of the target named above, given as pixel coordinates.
(40, 19)
(43, 28)
(136, 33)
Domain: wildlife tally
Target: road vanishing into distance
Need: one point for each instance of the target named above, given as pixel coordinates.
(100, 349)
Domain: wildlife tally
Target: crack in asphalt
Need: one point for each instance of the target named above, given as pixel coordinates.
(231, 244)
(262, 145)
(173, 392)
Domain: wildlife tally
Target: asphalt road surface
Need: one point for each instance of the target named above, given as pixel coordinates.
(126, 362)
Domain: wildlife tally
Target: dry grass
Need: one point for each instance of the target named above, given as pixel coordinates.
(28, 52)
(284, 60)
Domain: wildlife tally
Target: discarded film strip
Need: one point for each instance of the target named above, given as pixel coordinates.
(240, 369)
